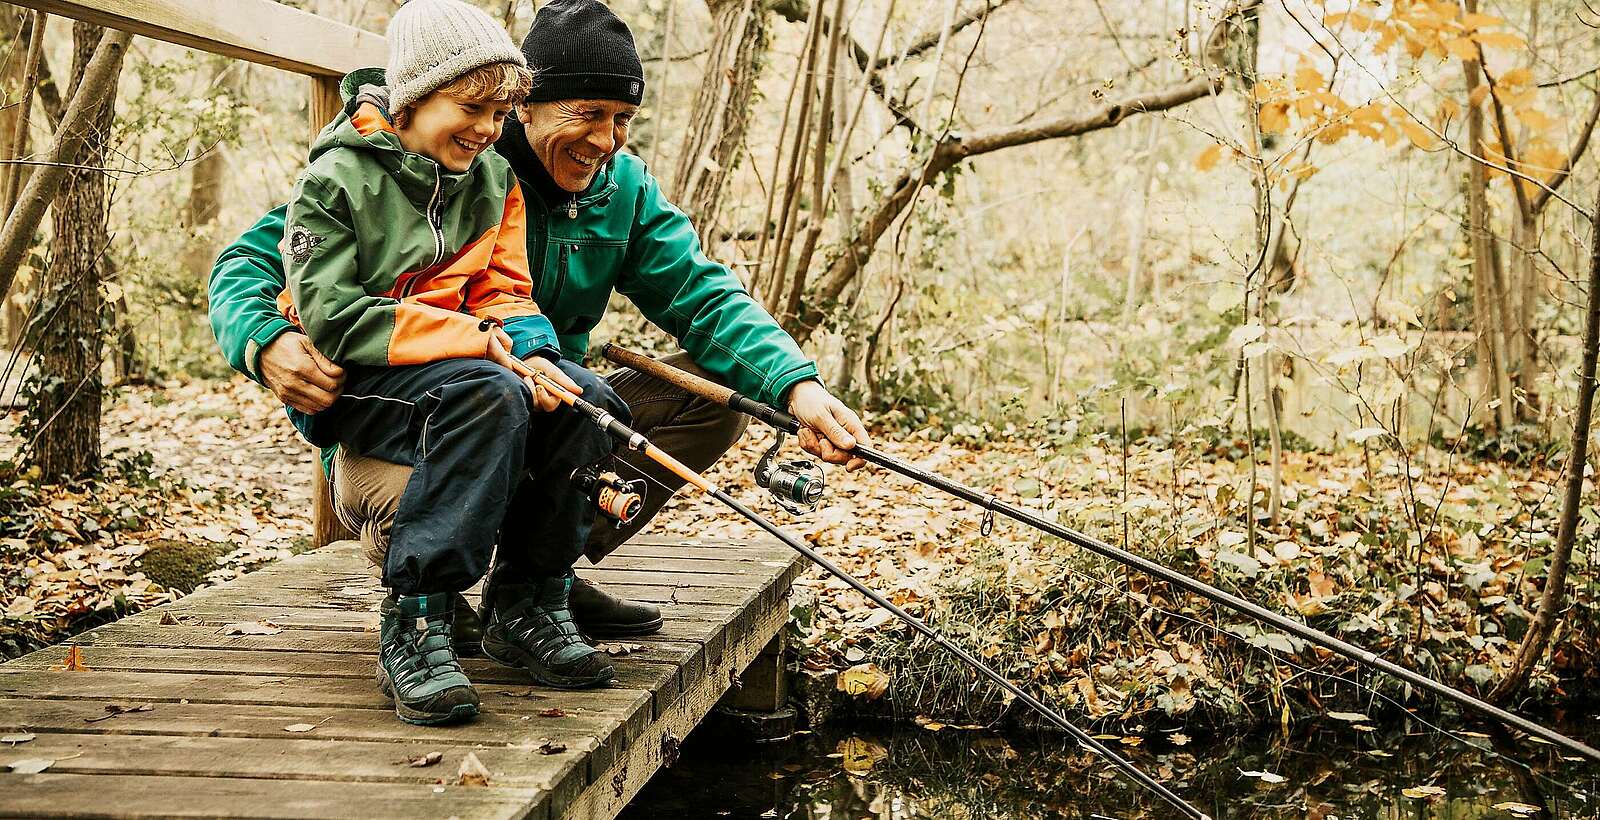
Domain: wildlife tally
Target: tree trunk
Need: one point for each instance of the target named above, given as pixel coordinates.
(76, 126)
(206, 178)
(66, 409)
(1555, 585)
(1488, 314)
(19, 79)
(720, 113)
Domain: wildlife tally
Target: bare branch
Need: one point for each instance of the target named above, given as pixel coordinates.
(70, 138)
(1579, 146)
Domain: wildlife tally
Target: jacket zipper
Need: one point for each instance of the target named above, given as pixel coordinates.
(572, 207)
(435, 224)
(561, 274)
(434, 220)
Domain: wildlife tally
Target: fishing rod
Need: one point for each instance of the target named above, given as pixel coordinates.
(782, 421)
(636, 441)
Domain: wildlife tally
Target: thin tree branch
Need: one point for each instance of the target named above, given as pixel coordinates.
(98, 81)
(1581, 145)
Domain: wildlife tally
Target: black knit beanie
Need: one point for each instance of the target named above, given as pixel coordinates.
(579, 50)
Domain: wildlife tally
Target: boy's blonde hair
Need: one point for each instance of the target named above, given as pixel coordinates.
(494, 82)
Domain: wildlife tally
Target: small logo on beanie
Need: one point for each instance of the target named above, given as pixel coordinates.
(633, 88)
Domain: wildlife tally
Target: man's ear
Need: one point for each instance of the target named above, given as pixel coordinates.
(525, 114)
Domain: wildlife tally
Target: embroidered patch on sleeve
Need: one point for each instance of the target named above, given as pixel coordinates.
(302, 242)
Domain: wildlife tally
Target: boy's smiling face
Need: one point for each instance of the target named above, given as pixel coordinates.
(452, 131)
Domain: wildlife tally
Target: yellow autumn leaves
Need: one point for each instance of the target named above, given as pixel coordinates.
(1305, 102)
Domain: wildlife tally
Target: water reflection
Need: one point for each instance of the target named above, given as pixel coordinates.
(1334, 773)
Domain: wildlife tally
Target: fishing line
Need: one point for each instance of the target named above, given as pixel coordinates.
(1580, 793)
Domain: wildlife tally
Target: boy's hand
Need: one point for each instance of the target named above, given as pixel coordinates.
(500, 353)
(829, 429)
(300, 376)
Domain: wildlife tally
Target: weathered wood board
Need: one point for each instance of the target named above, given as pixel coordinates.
(210, 738)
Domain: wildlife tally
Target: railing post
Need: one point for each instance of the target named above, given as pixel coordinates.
(325, 102)
(325, 525)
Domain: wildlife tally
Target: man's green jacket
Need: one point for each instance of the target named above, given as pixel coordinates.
(622, 235)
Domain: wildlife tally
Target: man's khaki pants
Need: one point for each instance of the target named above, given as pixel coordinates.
(366, 490)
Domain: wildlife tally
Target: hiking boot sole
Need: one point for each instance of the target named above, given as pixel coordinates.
(417, 717)
(514, 657)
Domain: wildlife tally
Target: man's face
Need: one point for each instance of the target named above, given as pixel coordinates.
(453, 131)
(573, 138)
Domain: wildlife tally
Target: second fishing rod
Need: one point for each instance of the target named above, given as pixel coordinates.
(784, 422)
(637, 442)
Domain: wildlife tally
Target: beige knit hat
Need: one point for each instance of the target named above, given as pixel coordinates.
(432, 42)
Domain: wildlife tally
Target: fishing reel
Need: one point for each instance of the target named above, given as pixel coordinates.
(796, 485)
(617, 498)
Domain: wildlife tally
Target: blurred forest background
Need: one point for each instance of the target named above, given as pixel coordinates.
(1290, 293)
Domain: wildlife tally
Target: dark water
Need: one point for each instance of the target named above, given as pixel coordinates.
(1331, 773)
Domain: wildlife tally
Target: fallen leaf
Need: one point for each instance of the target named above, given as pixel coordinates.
(1518, 809)
(1265, 777)
(554, 711)
(617, 650)
(472, 772)
(1178, 739)
(1352, 717)
(114, 709)
(1421, 792)
(864, 679)
(32, 765)
(73, 662)
(251, 628)
(858, 756)
(300, 728)
(928, 723)
(16, 737)
(551, 748)
(424, 761)
(169, 619)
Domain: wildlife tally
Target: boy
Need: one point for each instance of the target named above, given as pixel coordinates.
(405, 254)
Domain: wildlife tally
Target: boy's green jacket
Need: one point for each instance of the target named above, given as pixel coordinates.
(621, 234)
(392, 259)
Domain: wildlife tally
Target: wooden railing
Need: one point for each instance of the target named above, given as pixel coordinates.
(257, 31)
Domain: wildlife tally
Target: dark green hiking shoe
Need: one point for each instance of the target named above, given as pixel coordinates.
(466, 629)
(531, 628)
(417, 668)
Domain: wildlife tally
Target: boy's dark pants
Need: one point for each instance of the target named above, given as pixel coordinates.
(485, 464)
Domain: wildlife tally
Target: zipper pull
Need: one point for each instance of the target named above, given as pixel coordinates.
(572, 208)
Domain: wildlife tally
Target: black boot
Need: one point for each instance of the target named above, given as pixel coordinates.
(603, 615)
(531, 628)
(416, 666)
(466, 630)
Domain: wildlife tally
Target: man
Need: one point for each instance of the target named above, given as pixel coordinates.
(597, 223)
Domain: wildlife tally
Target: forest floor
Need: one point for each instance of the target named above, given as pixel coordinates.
(1438, 570)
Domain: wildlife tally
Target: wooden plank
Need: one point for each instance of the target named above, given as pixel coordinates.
(613, 785)
(366, 725)
(482, 671)
(156, 796)
(258, 31)
(292, 757)
(669, 646)
(266, 690)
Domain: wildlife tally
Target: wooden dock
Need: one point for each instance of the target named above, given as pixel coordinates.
(214, 724)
